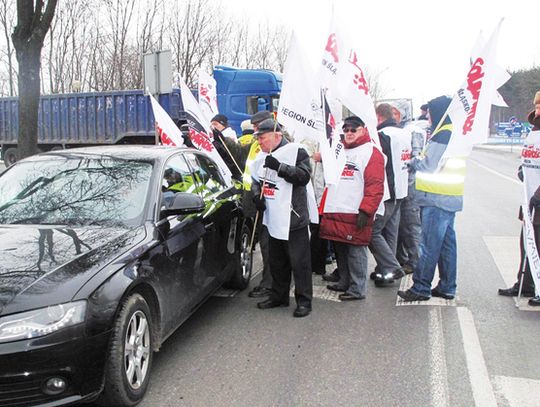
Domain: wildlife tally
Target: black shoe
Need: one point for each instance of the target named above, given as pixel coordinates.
(535, 301)
(350, 297)
(436, 293)
(375, 275)
(335, 287)
(400, 273)
(385, 280)
(259, 292)
(513, 292)
(410, 296)
(332, 278)
(301, 311)
(271, 303)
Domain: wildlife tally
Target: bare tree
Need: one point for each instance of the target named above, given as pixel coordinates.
(7, 15)
(119, 13)
(149, 37)
(64, 41)
(280, 47)
(33, 22)
(191, 37)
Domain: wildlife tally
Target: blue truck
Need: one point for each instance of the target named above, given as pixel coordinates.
(125, 117)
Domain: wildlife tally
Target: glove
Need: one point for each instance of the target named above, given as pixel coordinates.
(362, 220)
(534, 203)
(259, 202)
(271, 162)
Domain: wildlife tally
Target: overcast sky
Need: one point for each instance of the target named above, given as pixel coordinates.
(420, 48)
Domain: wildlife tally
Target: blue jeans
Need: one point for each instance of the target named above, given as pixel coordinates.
(437, 247)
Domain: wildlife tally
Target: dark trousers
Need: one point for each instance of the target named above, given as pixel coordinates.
(264, 237)
(291, 257)
(318, 250)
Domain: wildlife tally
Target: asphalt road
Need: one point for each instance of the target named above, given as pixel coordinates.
(480, 349)
(477, 350)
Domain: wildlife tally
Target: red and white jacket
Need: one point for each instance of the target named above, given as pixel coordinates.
(360, 188)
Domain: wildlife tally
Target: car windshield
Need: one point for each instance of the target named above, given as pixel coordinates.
(74, 191)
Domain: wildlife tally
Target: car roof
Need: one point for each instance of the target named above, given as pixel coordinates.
(133, 152)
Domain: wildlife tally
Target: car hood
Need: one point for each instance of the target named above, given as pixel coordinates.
(45, 266)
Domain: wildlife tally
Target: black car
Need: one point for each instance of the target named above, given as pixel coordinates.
(105, 251)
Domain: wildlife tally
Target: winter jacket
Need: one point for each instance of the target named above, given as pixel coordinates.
(341, 227)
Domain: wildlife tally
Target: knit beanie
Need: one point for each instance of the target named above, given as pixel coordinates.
(221, 118)
(437, 107)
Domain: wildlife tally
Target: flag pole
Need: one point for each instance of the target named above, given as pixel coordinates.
(230, 155)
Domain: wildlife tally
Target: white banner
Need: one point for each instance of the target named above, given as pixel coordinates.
(169, 133)
(207, 95)
(199, 130)
(530, 246)
(277, 192)
(343, 75)
(299, 107)
(471, 106)
(530, 165)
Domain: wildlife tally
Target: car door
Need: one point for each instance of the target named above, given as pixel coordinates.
(180, 268)
(220, 216)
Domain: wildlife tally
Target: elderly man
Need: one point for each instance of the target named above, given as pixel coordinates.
(350, 208)
(282, 171)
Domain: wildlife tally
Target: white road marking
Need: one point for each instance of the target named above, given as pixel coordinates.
(407, 282)
(505, 253)
(517, 391)
(482, 389)
(438, 371)
(495, 172)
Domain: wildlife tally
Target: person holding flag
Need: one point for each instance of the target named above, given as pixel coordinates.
(280, 174)
(530, 166)
(440, 195)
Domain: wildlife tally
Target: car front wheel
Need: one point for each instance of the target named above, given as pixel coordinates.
(130, 355)
(243, 262)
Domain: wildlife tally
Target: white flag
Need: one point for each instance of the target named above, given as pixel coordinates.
(207, 95)
(343, 75)
(199, 130)
(169, 133)
(300, 107)
(300, 99)
(471, 106)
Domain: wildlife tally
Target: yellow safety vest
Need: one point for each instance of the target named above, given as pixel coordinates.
(246, 177)
(449, 180)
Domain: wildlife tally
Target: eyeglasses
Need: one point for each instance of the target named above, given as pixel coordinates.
(349, 129)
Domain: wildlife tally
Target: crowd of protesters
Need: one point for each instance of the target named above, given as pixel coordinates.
(397, 196)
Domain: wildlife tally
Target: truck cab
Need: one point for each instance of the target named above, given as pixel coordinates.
(243, 92)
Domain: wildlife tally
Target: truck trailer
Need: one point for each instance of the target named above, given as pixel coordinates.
(125, 117)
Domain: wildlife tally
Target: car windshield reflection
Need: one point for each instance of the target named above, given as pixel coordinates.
(75, 191)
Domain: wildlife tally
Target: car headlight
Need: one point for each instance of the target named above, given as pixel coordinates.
(41, 322)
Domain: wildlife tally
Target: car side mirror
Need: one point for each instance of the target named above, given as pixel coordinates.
(184, 203)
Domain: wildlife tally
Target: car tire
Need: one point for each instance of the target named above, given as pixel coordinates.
(243, 260)
(11, 156)
(129, 360)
